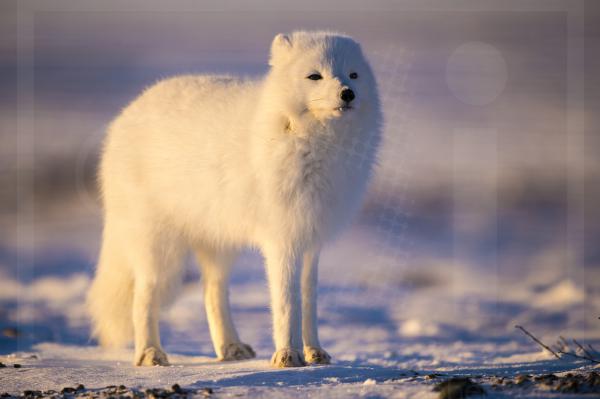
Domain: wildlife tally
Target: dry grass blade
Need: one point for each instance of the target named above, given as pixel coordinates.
(538, 341)
(588, 354)
(565, 343)
(580, 357)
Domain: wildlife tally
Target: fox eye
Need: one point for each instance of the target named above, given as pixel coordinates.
(353, 75)
(314, 76)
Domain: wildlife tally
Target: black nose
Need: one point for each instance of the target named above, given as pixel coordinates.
(347, 95)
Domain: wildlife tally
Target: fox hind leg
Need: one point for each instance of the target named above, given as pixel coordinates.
(215, 267)
(156, 266)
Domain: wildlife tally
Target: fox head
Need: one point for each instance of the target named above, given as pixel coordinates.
(322, 75)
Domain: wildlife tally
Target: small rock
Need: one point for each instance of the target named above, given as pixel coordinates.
(206, 391)
(156, 393)
(80, 387)
(176, 388)
(571, 386)
(17, 365)
(593, 379)
(456, 388)
(10, 332)
(67, 390)
(2, 365)
(546, 379)
(522, 379)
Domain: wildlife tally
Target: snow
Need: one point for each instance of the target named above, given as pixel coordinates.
(379, 334)
(472, 225)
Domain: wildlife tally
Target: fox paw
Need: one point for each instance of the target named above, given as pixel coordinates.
(236, 351)
(314, 355)
(287, 357)
(152, 357)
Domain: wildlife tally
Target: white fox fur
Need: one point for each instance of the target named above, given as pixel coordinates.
(217, 164)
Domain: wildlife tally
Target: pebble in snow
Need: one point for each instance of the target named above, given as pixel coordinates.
(111, 391)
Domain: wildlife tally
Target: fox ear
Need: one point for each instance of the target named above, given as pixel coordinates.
(280, 46)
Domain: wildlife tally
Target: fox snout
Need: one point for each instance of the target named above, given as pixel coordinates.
(347, 95)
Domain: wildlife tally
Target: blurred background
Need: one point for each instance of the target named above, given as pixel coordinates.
(483, 213)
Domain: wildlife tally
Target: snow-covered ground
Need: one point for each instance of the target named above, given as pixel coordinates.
(472, 226)
(380, 327)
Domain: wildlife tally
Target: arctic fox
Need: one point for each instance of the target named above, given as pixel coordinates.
(216, 164)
